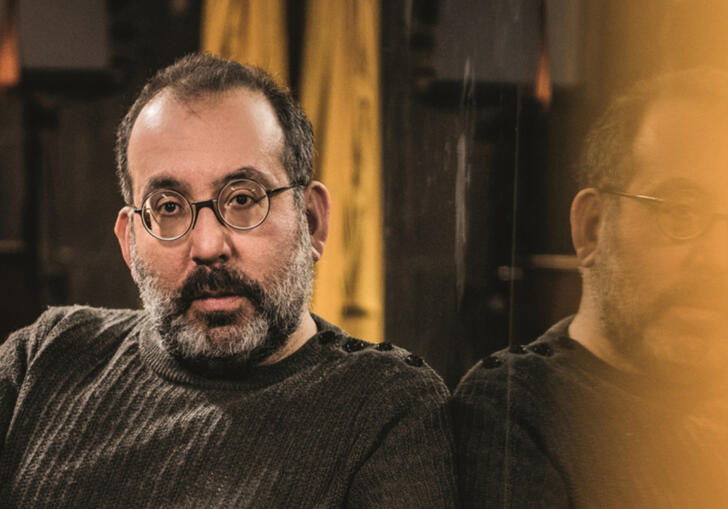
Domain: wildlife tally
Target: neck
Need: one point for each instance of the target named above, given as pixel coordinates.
(305, 330)
(587, 329)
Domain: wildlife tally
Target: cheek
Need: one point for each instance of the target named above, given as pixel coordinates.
(166, 263)
(264, 252)
(259, 256)
(629, 250)
(654, 263)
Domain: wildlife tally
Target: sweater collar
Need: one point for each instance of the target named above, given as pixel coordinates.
(643, 384)
(161, 362)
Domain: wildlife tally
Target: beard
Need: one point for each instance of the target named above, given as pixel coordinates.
(618, 305)
(228, 341)
(668, 331)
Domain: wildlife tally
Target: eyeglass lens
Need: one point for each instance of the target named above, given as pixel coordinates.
(242, 204)
(684, 215)
(166, 214)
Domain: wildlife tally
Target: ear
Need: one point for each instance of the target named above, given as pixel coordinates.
(587, 212)
(318, 207)
(122, 229)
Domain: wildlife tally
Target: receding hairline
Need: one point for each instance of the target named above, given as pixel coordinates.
(197, 76)
(206, 99)
(609, 145)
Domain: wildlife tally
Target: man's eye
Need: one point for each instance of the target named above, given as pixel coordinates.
(680, 212)
(168, 208)
(240, 200)
(682, 220)
(678, 209)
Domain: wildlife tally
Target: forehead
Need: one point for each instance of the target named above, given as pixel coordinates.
(682, 139)
(197, 143)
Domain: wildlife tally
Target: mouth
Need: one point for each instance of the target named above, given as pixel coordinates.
(218, 292)
(217, 302)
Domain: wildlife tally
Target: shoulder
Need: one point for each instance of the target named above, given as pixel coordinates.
(503, 413)
(520, 372)
(381, 368)
(396, 409)
(76, 324)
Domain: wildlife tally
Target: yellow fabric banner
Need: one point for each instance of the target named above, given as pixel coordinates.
(249, 31)
(340, 93)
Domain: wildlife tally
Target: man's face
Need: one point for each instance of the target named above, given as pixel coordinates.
(664, 302)
(218, 293)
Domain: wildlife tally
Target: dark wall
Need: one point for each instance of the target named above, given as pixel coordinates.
(477, 171)
(462, 157)
(59, 196)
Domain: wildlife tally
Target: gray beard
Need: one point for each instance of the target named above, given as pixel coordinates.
(616, 311)
(229, 341)
(628, 314)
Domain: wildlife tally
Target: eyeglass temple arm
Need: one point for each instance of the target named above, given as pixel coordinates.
(271, 192)
(653, 199)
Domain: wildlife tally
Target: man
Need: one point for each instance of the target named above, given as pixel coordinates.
(224, 391)
(623, 404)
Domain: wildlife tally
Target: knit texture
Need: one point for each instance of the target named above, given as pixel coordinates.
(550, 425)
(95, 414)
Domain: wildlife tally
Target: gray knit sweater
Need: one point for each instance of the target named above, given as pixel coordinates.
(94, 413)
(550, 425)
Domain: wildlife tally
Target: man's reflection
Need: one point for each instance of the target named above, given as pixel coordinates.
(623, 404)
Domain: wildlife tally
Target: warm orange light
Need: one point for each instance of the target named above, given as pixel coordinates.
(9, 62)
(542, 87)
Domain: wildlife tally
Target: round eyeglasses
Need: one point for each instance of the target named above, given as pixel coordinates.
(242, 204)
(681, 214)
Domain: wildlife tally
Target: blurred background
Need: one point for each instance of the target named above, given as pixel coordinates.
(447, 131)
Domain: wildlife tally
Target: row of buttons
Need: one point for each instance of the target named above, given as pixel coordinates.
(354, 345)
(541, 349)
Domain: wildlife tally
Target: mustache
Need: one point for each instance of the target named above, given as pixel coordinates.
(206, 282)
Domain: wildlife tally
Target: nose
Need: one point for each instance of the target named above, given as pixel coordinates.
(209, 239)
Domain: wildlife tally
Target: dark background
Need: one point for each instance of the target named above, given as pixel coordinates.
(477, 173)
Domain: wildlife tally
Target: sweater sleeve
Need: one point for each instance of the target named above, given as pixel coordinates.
(411, 462)
(16, 354)
(13, 362)
(501, 462)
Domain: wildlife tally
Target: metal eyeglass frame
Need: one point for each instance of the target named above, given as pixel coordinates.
(213, 205)
(655, 201)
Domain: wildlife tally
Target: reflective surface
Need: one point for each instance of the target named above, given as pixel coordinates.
(484, 109)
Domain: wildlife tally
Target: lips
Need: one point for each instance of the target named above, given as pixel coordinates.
(218, 303)
(218, 289)
(214, 295)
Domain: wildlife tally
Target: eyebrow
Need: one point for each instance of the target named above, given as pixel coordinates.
(247, 172)
(162, 182)
(676, 184)
(170, 182)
